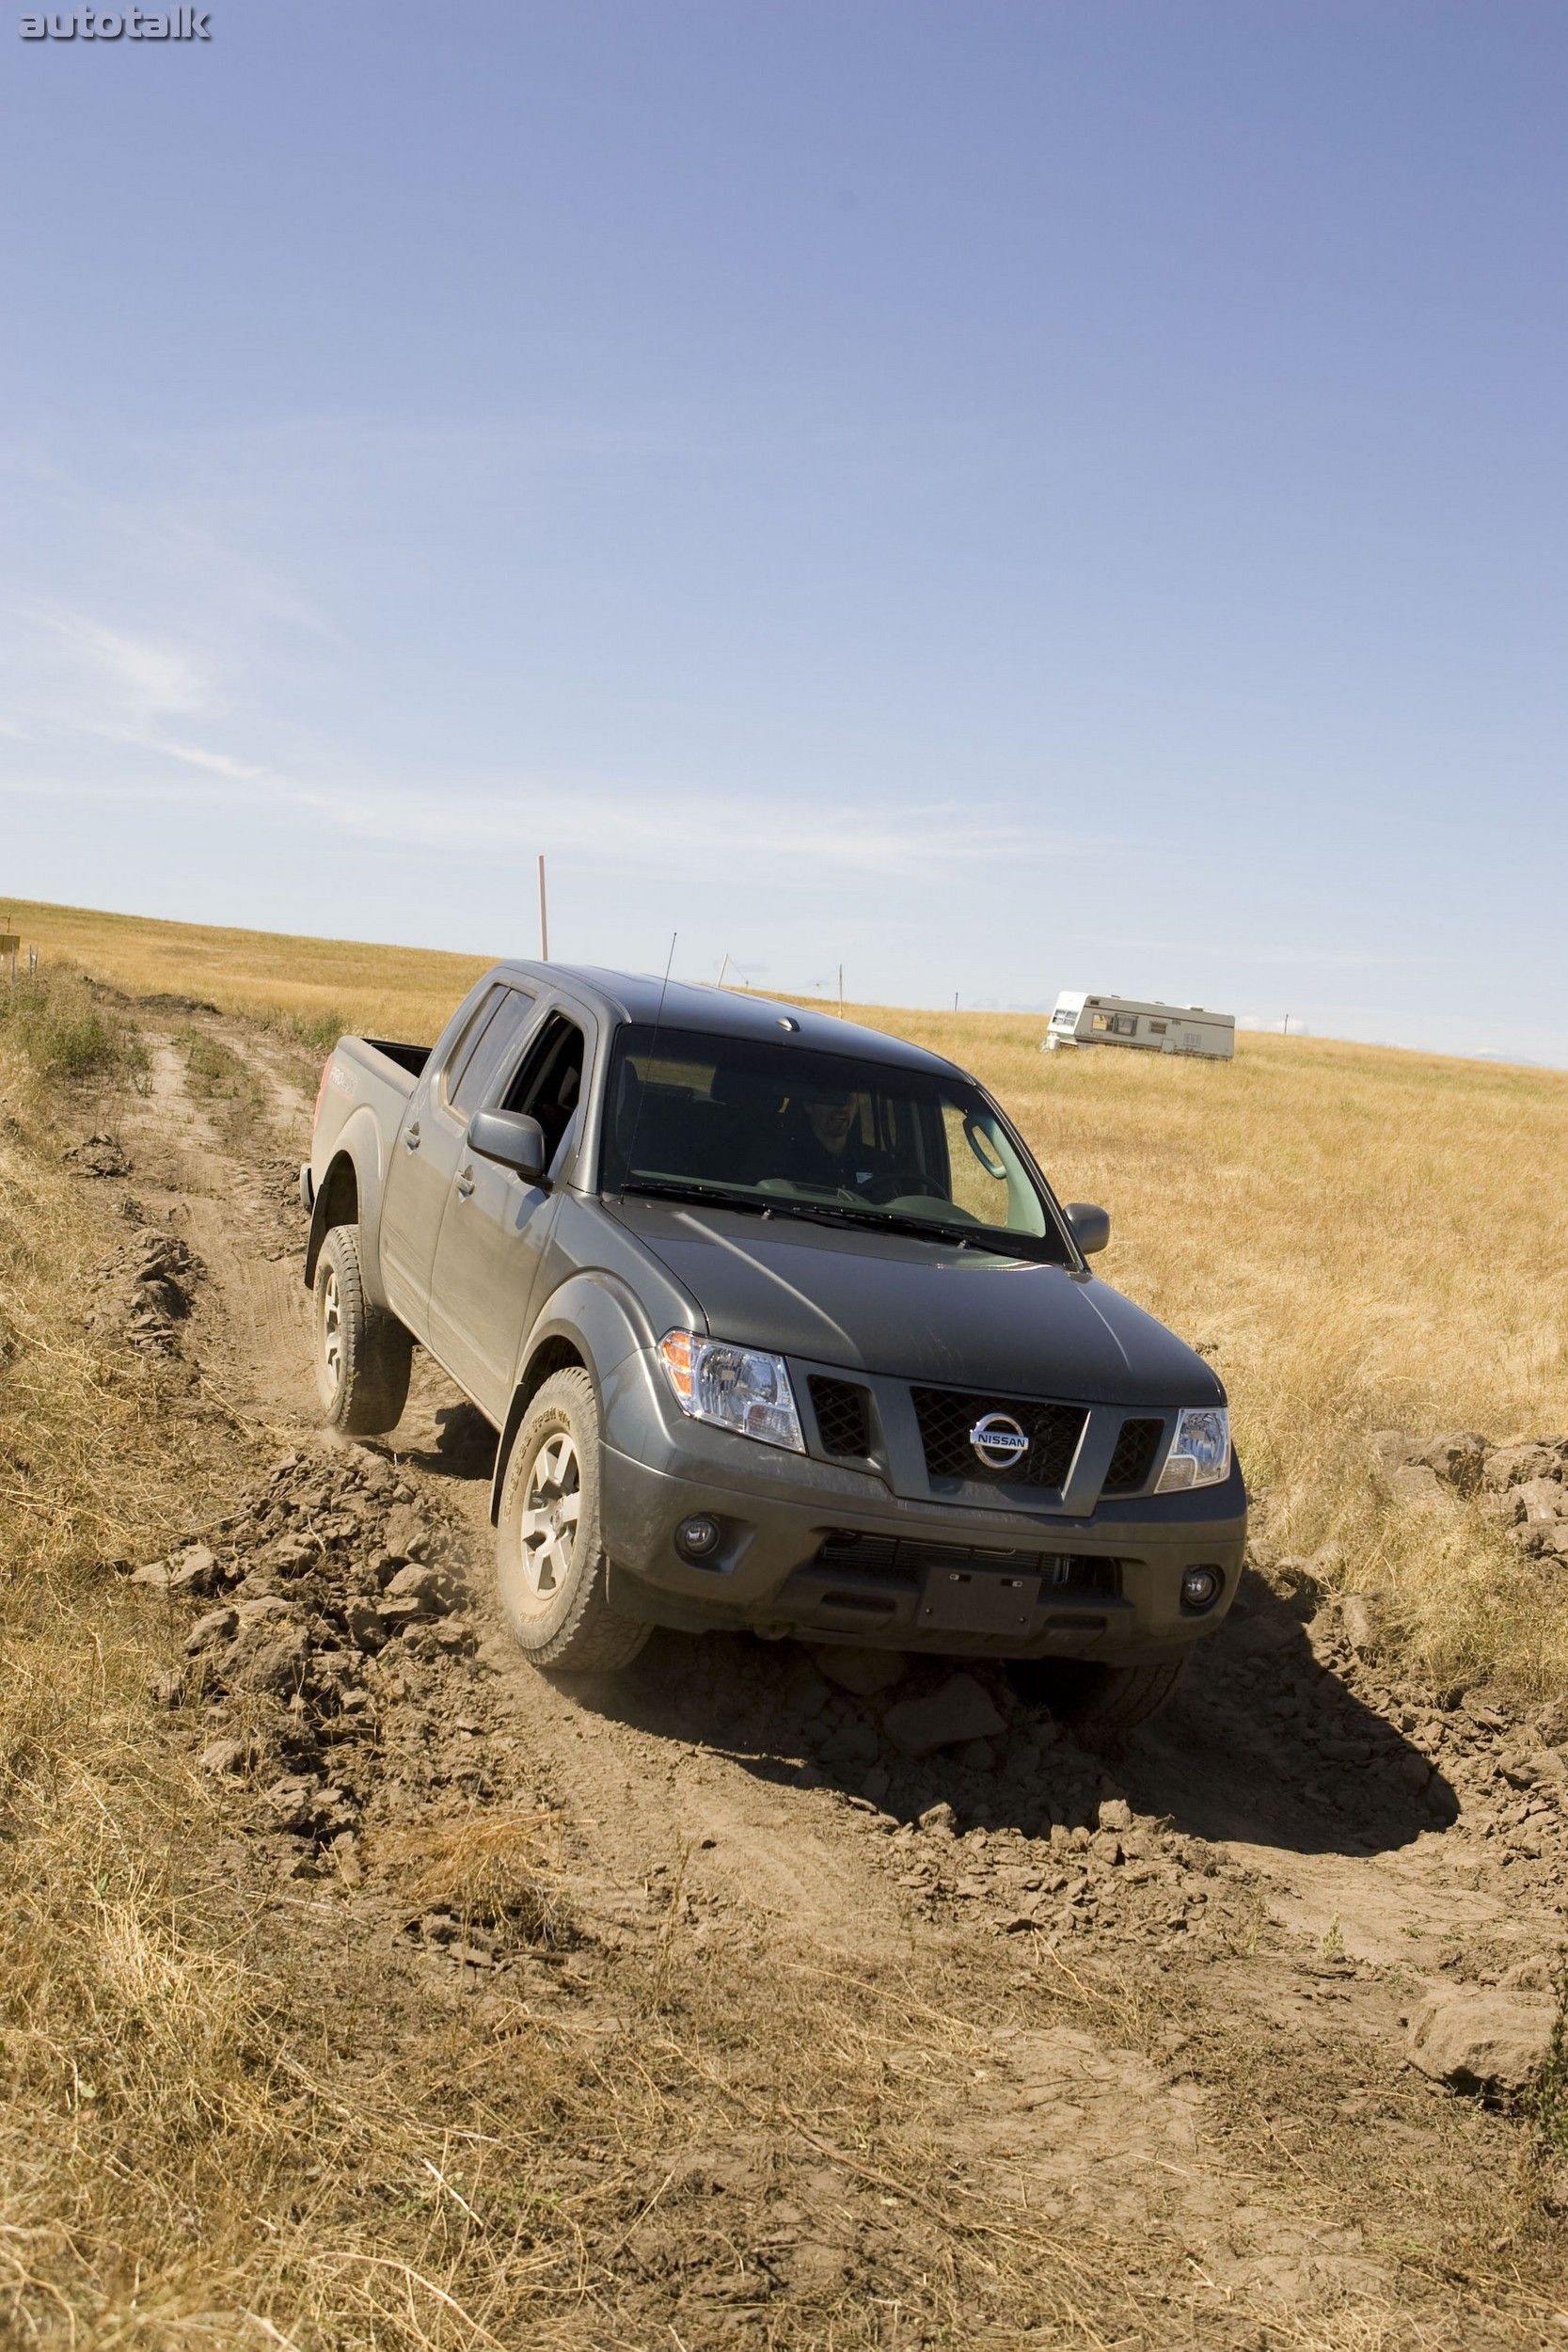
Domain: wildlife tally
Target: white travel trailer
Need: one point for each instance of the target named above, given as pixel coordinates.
(1080, 1019)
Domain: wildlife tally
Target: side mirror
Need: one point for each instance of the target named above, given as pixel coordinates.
(513, 1140)
(1091, 1227)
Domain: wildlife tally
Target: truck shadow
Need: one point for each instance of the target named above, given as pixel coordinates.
(1263, 1744)
(1267, 1745)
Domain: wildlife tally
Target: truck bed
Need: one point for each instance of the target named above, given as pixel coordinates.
(410, 1058)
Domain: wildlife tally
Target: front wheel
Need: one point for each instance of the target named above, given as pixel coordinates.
(364, 1357)
(550, 1564)
(1098, 1703)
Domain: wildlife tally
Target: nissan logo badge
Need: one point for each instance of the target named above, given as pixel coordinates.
(999, 1441)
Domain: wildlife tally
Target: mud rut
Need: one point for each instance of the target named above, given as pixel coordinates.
(1245, 2129)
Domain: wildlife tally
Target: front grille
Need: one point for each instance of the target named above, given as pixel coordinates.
(946, 1416)
(843, 1416)
(1134, 1458)
(906, 1558)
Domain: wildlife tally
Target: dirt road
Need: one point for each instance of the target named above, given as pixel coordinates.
(1012, 2044)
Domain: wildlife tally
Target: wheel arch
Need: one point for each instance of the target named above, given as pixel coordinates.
(588, 1325)
(337, 1203)
(348, 1192)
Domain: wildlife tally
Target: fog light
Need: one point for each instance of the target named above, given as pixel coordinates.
(697, 1537)
(1200, 1588)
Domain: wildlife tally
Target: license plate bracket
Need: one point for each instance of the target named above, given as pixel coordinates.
(977, 1600)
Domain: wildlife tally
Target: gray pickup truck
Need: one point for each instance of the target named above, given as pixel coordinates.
(781, 1328)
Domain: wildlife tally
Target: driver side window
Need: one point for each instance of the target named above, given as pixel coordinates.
(548, 1084)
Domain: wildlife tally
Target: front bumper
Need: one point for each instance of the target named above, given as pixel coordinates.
(1108, 1584)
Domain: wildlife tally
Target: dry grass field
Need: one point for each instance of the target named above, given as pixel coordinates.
(1358, 1238)
(244, 2108)
(317, 987)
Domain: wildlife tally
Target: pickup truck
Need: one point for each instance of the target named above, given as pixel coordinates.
(780, 1326)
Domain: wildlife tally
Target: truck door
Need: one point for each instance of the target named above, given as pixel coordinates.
(497, 1224)
(424, 1157)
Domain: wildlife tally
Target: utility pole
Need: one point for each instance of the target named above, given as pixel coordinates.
(841, 991)
(724, 967)
(1286, 1031)
(543, 915)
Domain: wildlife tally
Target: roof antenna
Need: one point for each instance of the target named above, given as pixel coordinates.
(653, 1048)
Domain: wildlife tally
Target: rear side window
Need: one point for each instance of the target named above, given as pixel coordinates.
(479, 1055)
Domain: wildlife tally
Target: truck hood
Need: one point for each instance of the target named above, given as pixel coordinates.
(914, 1310)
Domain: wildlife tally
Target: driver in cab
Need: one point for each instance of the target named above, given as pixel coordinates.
(826, 1150)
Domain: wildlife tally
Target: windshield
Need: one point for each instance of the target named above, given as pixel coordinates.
(785, 1128)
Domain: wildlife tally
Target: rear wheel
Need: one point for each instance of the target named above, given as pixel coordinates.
(551, 1564)
(1099, 1703)
(364, 1356)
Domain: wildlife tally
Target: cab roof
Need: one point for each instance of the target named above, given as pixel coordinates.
(643, 998)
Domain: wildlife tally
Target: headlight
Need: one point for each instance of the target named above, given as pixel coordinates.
(737, 1387)
(1200, 1451)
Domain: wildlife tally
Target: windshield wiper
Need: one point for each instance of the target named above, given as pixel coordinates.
(843, 1213)
(914, 1228)
(705, 1196)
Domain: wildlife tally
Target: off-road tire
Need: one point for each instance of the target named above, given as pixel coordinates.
(1100, 1703)
(364, 1356)
(551, 1583)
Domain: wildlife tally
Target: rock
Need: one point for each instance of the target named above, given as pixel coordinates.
(405, 1536)
(224, 1755)
(977, 1756)
(1115, 1813)
(219, 1625)
(1459, 1459)
(399, 1609)
(293, 1802)
(852, 1748)
(1480, 2042)
(194, 1572)
(268, 1658)
(958, 1711)
(365, 1628)
(862, 1671)
(434, 1595)
(264, 1609)
(1388, 1449)
(1536, 1500)
(873, 1788)
(167, 1689)
(345, 1853)
(1364, 1617)
(1414, 1482)
(156, 1574)
(99, 1155)
(938, 1821)
(805, 1692)
(1509, 1465)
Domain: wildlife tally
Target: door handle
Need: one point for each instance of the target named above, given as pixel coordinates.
(411, 1140)
(466, 1182)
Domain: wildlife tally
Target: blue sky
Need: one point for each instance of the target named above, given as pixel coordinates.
(1007, 496)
